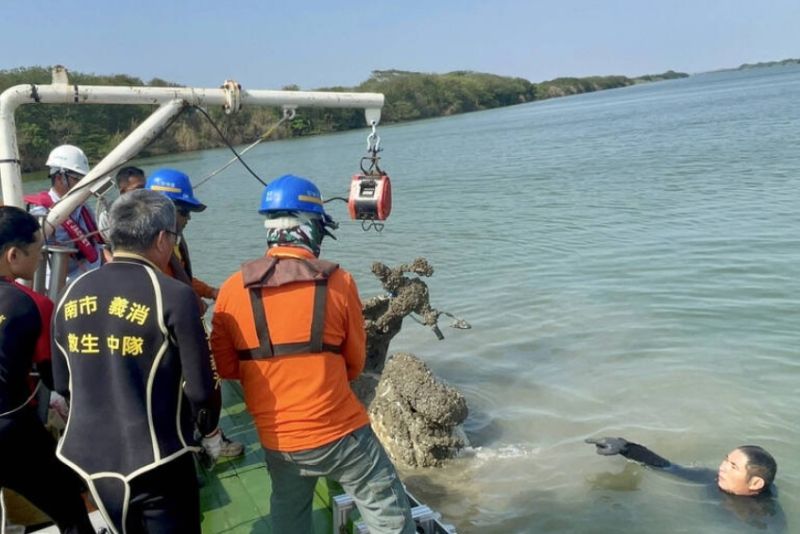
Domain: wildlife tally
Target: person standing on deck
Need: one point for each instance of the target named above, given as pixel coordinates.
(28, 463)
(176, 186)
(127, 179)
(68, 164)
(289, 327)
(131, 353)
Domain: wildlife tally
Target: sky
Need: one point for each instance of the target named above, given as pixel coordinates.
(312, 43)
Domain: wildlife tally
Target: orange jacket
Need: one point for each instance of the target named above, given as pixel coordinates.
(201, 288)
(300, 401)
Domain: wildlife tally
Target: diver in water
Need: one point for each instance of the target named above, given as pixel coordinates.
(744, 480)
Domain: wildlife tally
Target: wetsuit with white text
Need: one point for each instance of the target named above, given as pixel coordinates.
(131, 352)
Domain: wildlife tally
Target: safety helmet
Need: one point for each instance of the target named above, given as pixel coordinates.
(69, 158)
(176, 186)
(291, 193)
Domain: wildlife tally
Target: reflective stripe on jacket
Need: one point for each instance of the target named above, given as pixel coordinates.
(298, 401)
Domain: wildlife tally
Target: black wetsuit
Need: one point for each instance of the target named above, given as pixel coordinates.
(131, 351)
(761, 511)
(28, 464)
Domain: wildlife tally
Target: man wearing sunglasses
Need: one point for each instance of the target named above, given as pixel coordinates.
(68, 164)
(176, 186)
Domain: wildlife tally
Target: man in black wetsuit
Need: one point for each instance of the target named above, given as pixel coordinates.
(28, 464)
(131, 352)
(744, 479)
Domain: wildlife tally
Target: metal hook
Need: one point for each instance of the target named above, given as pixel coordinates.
(374, 140)
(288, 112)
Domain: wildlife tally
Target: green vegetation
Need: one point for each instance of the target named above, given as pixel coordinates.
(783, 62)
(669, 75)
(409, 96)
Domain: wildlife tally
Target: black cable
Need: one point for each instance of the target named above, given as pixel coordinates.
(230, 146)
(335, 198)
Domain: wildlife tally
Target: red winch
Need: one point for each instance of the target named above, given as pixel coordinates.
(370, 191)
(370, 197)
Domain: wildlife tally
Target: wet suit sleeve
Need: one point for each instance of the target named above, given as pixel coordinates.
(641, 454)
(222, 343)
(201, 385)
(354, 347)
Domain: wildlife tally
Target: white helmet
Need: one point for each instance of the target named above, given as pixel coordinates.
(69, 158)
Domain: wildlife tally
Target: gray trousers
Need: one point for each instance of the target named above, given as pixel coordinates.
(358, 462)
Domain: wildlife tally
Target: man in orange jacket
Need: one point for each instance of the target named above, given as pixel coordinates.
(296, 385)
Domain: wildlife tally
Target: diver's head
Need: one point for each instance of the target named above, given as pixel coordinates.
(747, 470)
(295, 214)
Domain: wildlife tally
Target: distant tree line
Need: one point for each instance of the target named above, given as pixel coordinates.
(409, 96)
(781, 63)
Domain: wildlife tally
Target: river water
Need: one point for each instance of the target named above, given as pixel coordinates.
(630, 263)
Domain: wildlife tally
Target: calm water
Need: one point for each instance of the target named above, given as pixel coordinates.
(630, 263)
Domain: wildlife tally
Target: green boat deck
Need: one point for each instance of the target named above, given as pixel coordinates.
(234, 496)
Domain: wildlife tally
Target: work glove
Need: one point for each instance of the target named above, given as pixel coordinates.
(608, 446)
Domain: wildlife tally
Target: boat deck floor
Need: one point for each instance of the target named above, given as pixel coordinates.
(235, 494)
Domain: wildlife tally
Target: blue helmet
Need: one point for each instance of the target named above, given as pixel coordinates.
(291, 193)
(176, 186)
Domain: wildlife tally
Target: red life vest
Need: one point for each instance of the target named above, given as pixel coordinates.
(85, 243)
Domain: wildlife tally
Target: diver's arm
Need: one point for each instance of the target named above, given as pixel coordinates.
(643, 455)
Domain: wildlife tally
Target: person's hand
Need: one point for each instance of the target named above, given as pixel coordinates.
(608, 446)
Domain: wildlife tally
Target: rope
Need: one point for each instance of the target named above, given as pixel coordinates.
(230, 146)
(99, 231)
(233, 160)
